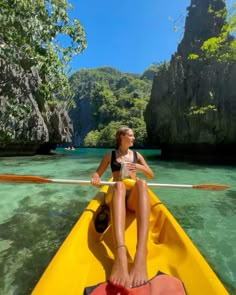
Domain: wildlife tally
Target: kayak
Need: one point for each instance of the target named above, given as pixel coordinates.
(86, 256)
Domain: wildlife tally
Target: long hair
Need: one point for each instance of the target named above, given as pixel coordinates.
(119, 132)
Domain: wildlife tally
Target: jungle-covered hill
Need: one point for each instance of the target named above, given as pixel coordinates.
(106, 99)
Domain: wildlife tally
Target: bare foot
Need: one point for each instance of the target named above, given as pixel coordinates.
(119, 274)
(138, 272)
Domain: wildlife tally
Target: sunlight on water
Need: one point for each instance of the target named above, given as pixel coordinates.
(35, 219)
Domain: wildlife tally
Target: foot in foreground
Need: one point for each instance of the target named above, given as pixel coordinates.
(119, 274)
(138, 272)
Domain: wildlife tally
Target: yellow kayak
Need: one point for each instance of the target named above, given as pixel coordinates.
(86, 256)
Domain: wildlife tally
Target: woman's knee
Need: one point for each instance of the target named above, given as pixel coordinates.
(119, 190)
(141, 183)
(119, 186)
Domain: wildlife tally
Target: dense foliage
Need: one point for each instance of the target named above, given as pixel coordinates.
(219, 48)
(116, 99)
(30, 35)
(223, 46)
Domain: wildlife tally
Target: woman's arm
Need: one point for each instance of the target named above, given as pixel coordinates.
(140, 166)
(101, 169)
(143, 166)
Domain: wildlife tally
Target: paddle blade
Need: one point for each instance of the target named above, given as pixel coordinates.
(23, 178)
(210, 187)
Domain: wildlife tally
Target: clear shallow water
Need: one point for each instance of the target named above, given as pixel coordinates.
(35, 219)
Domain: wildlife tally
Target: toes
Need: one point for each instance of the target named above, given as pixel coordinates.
(117, 288)
(138, 282)
(119, 284)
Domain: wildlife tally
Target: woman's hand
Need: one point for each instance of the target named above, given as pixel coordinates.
(136, 167)
(95, 179)
(131, 167)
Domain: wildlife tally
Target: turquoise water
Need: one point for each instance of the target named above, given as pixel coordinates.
(36, 218)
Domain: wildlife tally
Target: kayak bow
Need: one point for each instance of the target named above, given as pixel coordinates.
(86, 256)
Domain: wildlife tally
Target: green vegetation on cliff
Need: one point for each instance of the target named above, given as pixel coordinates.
(30, 35)
(192, 109)
(106, 99)
(222, 46)
(33, 66)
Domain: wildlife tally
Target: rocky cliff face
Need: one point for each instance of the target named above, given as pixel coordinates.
(27, 123)
(192, 110)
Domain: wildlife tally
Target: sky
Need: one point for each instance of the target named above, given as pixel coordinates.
(128, 35)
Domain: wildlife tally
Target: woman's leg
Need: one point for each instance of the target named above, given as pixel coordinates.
(119, 274)
(139, 201)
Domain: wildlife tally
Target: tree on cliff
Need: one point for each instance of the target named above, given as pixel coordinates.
(223, 46)
(30, 35)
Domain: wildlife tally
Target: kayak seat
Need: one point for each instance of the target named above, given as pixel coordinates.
(102, 218)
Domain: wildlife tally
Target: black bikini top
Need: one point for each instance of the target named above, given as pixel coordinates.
(116, 166)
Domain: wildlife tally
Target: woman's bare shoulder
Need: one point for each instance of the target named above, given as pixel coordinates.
(107, 156)
(140, 157)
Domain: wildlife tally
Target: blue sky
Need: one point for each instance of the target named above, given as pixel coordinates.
(128, 35)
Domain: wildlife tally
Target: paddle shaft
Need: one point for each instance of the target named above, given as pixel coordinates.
(112, 183)
(38, 180)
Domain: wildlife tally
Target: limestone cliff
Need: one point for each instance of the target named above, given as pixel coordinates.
(28, 125)
(192, 110)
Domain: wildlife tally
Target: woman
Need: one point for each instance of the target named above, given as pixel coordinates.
(136, 200)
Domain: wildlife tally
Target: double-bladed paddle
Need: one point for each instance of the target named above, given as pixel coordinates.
(37, 179)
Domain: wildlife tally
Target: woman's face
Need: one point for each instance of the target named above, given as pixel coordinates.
(128, 138)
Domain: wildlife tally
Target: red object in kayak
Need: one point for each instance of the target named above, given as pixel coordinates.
(161, 284)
